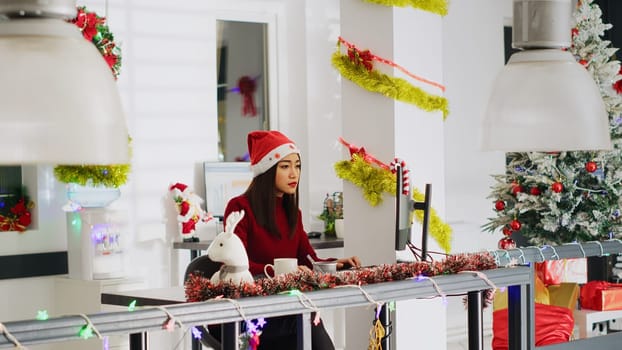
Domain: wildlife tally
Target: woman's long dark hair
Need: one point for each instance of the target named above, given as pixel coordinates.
(261, 196)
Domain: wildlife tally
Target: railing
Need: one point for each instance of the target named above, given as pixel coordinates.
(226, 311)
(530, 255)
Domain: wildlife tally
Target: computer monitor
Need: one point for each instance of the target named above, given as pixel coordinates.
(404, 206)
(223, 181)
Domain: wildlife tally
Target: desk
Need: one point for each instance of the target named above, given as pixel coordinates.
(317, 243)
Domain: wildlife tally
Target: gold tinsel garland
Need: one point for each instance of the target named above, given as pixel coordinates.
(375, 181)
(95, 175)
(396, 88)
(439, 230)
(439, 7)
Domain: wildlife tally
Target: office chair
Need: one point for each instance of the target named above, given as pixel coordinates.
(207, 267)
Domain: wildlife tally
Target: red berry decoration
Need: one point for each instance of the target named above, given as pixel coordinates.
(591, 167)
(535, 191)
(506, 243)
(515, 225)
(499, 205)
(557, 187)
(507, 231)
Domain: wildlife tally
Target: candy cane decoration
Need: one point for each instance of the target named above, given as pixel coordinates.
(405, 174)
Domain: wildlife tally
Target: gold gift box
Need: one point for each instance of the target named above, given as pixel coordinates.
(564, 295)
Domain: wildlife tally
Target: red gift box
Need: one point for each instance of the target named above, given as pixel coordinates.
(601, 295)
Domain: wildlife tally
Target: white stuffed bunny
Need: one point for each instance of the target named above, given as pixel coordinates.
(228, 249)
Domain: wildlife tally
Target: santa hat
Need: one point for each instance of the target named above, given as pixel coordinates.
(178, 186)
(266, 148)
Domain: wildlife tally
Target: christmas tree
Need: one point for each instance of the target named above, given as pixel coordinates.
(562, 197)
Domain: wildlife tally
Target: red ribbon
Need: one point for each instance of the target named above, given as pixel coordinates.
(366, 57)
(247, 89)
(361, 152)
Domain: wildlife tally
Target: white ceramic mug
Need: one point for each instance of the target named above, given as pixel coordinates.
(325, 266)
(281, 266)
(339, 228)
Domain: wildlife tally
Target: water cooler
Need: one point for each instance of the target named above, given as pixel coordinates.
(94, 235)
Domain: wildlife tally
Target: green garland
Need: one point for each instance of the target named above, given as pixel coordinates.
(396, 88)
(435, 6)
(95, 175)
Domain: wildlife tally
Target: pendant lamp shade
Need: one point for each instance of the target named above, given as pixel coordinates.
(543, 99)
(59, 102)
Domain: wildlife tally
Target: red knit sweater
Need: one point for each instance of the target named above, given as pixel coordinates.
(261, 247)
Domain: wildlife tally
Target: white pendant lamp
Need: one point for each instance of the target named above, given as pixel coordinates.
(543, 99)
(59, 102)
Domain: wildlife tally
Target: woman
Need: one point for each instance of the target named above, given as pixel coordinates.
(272, 226)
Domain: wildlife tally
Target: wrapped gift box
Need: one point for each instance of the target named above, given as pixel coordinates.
(553, 272)
(554, 320)
(601, 295)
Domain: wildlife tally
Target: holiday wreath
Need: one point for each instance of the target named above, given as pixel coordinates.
(95, 30)
(15, 211)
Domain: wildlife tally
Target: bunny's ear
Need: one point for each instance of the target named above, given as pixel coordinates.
(233, 219)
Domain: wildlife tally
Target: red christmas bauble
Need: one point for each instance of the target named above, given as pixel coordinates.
(506, 243)
(515, 225)
(507, 231)
(517, 188)
(557, 187)
(535, 191)
(499, 205)
(591, 167)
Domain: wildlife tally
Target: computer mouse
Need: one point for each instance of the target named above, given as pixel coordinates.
(314, 234)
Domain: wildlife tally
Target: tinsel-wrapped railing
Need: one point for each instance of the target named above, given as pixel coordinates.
(527, 255)
(146, 319)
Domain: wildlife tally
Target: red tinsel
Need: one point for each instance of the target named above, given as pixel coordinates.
(247, 88)
(199, 288)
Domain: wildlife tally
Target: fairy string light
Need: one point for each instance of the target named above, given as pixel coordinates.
(306, 302)
(4, 331)
(88, 329)
(169, 323)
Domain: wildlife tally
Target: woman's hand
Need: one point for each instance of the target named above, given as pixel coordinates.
(346, 263)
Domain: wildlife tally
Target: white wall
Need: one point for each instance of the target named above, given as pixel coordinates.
(472, 56)
(168, 89)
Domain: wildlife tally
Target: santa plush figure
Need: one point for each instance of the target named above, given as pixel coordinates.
(189, 211)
